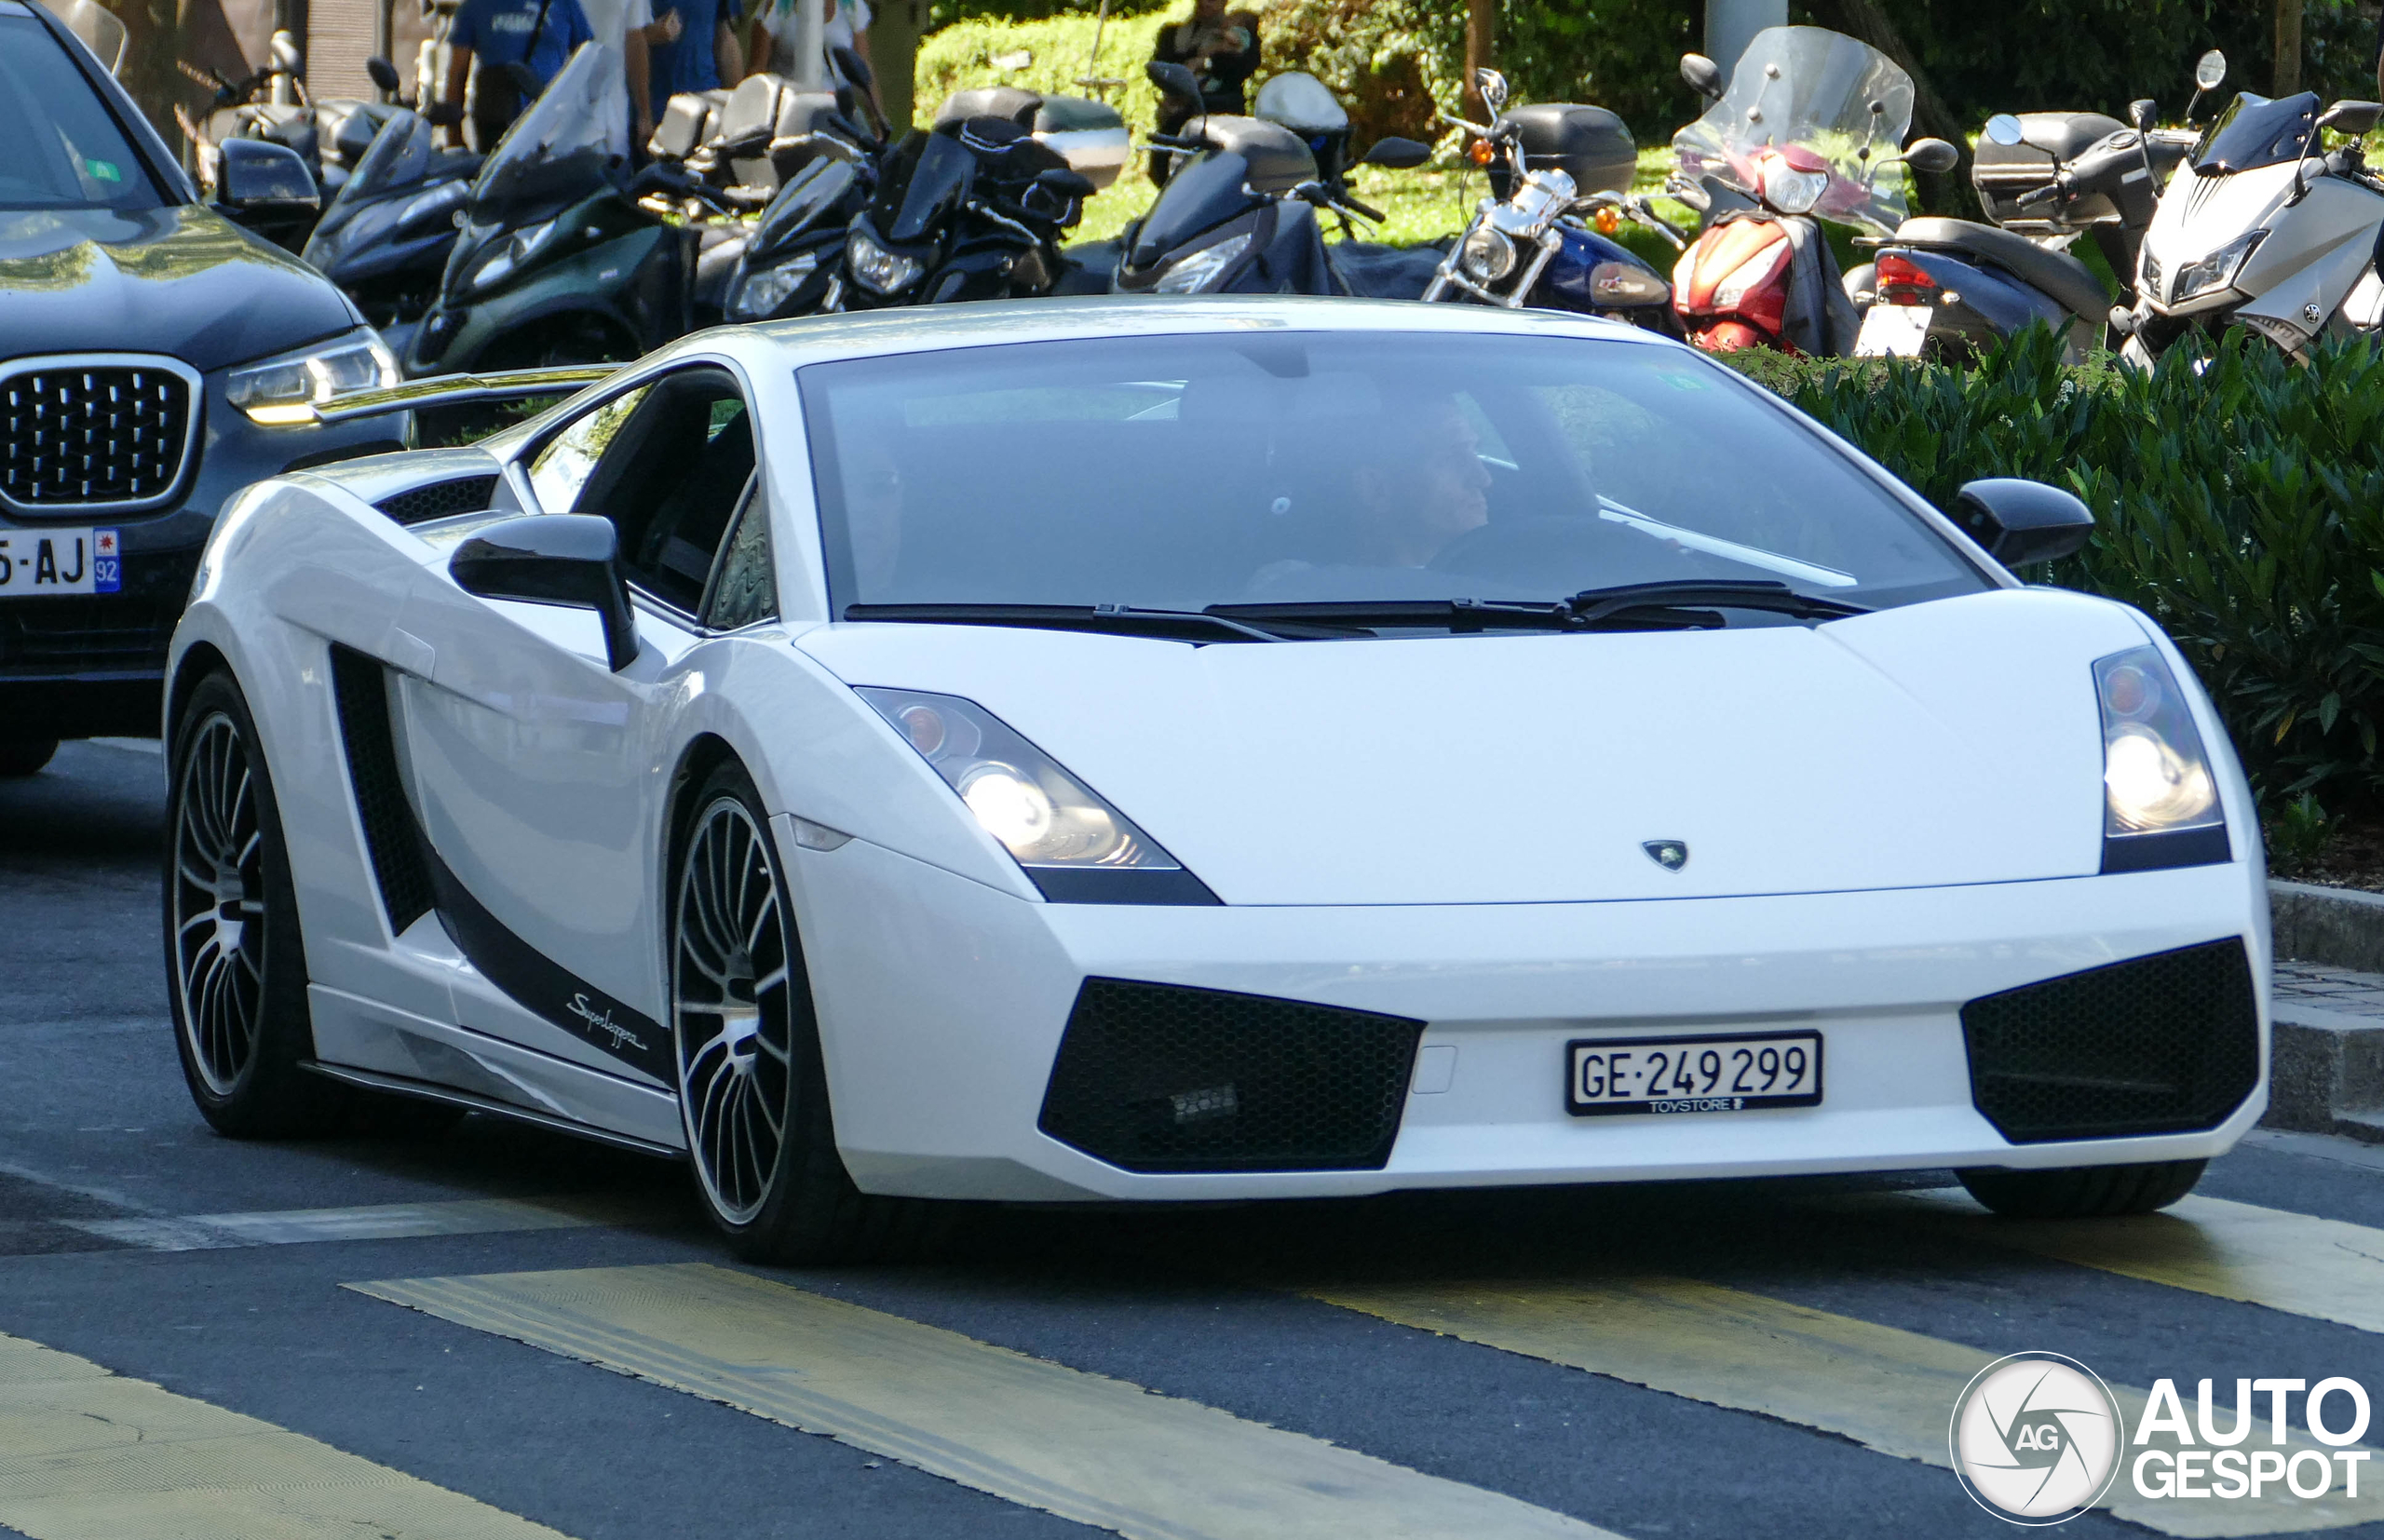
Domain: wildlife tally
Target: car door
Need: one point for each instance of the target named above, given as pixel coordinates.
(539, 774)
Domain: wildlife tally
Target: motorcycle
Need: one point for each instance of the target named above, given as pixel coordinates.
(1240, 213)
(1793, 140)
(791, 265)
(1943, 288)
(2264, 228)
(387, 236)
(1527, 244)
(330, 136)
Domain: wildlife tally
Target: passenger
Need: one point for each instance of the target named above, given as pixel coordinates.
(1221, 50)
(537, 34)
(704, 54)
(845, 24)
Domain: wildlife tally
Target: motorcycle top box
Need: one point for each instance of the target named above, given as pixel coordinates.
(1589, 144)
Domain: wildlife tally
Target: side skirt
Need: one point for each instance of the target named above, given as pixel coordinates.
(425, 1090)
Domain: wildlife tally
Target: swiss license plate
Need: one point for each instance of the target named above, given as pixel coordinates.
(1717, 1072)
(36, 563)
(1893, 331)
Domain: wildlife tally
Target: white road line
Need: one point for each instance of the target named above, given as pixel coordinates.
(371, 1221)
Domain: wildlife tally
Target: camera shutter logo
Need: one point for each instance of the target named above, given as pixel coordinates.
(2035, 1437)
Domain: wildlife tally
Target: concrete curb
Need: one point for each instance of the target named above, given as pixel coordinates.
(2333, 925)
(2325, 1067)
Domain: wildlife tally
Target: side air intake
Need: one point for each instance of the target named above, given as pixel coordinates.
(361, 688)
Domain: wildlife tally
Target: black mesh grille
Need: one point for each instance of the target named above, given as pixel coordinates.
(439, 500)
(361, 688)
(2164, 1043)
(87, 435)
(90, 634)
(1156, 1077)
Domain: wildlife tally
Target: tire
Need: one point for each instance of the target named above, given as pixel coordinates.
(2083, 1192)
(236, 960)
(20, 757)
(753, 1087)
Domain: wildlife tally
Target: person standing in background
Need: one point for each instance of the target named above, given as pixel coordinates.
(704, 55)
(845, 23)
(628, 27)
(537, 34)
(1221, 50)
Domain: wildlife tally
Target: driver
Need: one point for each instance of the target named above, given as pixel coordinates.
(1416, 481)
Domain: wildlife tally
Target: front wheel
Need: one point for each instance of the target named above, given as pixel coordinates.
(2083, 1192)
(753, 1086)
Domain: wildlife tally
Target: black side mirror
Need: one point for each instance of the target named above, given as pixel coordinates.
(2143, 113)
(2021, 523)
(266, 188)
(384, 74)
(1176, 83)
(567, 559)
(2352, 117)
(1933, 155)
(1703, 75)
(1400, 154)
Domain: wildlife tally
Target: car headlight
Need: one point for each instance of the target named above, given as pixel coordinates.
(1044, 817)
(1751, 275)
(1206, 266)
(878, 269)
(283, 392)
(508, 255)
(1624, 283)
(1794, 192)
(1487, 255)
(2159, 799)
(2218, 269)
(762, 291)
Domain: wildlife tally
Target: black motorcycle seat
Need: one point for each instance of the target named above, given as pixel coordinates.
(1279, 160)
(2058, 274)
(1009, 102)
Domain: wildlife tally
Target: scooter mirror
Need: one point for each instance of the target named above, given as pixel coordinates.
(2003, 128)
(2143, 113)
(1400, 154)
(2209, 70)
(2352, 117)
(1933, 155)
(1176, 83)
(287, 60)
(1493, 89)
(384, 74)
(1703, 75)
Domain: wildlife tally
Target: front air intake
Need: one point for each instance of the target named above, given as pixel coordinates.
(2158, 1045)
(392, 839)
(1160, 1077)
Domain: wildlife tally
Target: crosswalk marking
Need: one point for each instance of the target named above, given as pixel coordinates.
(2323, 1268)
(1084, 1446)
(87, 1454)
(1886, 1389)
(369, 1221)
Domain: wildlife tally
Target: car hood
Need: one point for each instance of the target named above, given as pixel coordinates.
(181, 280)
(1944, 743)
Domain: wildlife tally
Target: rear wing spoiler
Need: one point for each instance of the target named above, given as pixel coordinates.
(444, 390)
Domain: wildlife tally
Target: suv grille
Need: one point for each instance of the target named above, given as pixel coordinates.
(1158, 1077)
(80, 435)
(2164, 1043)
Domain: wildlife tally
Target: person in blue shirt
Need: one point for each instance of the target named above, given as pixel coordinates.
(706, 54)
(539, 33)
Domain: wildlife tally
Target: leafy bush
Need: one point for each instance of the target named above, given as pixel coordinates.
(2241, 507)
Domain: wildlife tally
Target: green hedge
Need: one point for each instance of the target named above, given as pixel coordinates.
(2241, 507)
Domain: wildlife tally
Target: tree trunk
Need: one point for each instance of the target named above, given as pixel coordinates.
(2288, 47)
(1481, 37)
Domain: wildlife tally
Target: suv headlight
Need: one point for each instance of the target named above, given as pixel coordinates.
(2159, 799)
(283, 392)
(1056, 826)
(2218, 269)
(878, 269)
(1194, 273)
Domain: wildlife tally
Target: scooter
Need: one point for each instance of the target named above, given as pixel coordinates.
(1527, 244)
(1797, 137)
(386, 237)
(1945, 288)
(2265, 229)
(1239, 214)
(330, 136)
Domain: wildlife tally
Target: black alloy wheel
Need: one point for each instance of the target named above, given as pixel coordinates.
(753, 1088)
(2083, 1192)
(235, 959)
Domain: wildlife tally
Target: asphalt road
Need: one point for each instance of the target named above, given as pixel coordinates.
(1713, 1360)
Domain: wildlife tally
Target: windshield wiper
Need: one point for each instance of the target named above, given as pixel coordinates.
(1123, 619)
(1593, 605)
(1687, 604)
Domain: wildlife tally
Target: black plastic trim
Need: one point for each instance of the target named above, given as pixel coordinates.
(426, 1090)
(2158, 852)
(392, 839)
(1067, 884)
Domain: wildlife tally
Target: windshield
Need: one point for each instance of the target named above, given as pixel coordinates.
(64, 149)
(556, 148)
(2255, 131)
(401, 152)
(1182, 472)
(1816, 89)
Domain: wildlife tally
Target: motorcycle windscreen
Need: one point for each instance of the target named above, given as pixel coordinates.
(816, 195)
(915, 208)
(1814, 89)
(1203, 193)
(2255, 131)
(401, 156)
(555, 152)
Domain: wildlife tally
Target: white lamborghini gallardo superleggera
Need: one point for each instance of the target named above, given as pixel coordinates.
(1118, 749)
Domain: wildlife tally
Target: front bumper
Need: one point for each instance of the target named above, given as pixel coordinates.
(942, 1005)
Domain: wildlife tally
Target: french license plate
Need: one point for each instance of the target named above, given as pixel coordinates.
(1893, 331)
(37, 562)
(1721, 1073)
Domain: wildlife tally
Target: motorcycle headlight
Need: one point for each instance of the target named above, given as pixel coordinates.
(506, 257)
(764, 291)
(2218, 269)
(1487, 255)
(1624, 283)
(1044, 817)
(1751, 275)
(1193, 273)
(2157, 781)
(2147, 276)
(1794, 192)
(880, 270)
(283, 392)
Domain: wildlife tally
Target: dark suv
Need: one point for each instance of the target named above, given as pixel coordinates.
(154, 359)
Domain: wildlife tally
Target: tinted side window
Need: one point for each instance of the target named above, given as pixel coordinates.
(670, 480)
(564, 467)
